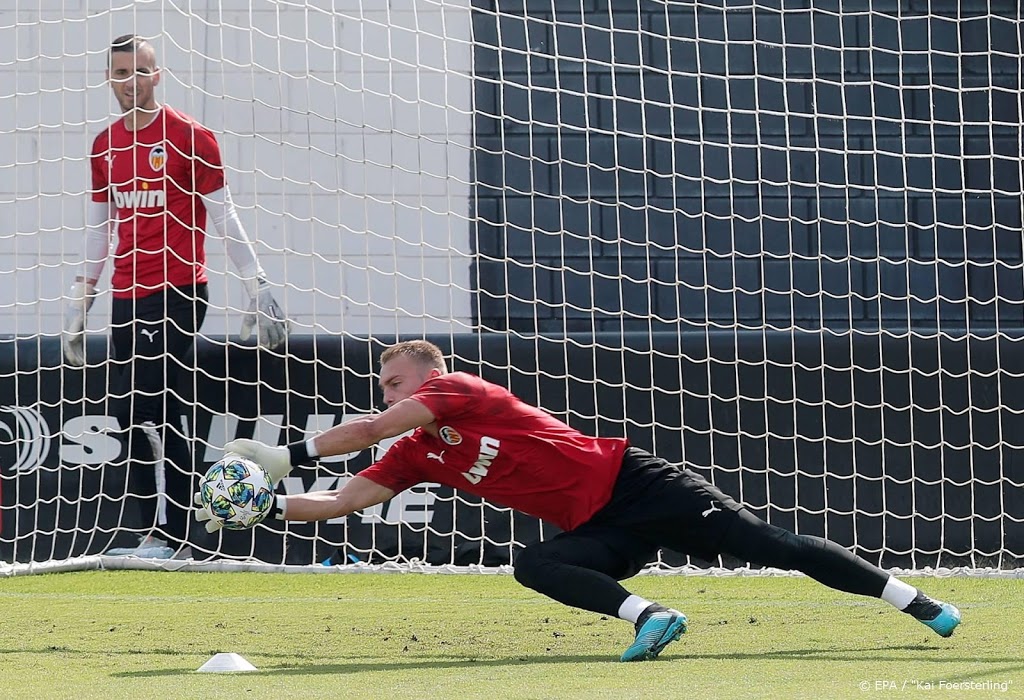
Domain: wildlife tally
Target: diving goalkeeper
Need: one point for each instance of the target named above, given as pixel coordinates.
(617, 504)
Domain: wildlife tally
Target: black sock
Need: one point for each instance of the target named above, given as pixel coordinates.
(648, 611)
(923, 608)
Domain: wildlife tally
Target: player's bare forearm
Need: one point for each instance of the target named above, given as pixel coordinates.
(357, 494)
(351, 436)
(360, 433)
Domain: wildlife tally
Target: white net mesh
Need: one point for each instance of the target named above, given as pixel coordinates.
(782, 243)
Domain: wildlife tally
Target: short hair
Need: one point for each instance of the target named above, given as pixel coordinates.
(128, 43)
(420, 350)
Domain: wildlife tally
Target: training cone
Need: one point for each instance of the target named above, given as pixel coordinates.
(225, 663)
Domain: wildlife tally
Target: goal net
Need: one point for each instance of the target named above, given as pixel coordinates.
(778, 240)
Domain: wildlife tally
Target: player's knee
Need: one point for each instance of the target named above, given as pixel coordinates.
(529, 565)
(808, 546)
(789, 550)
(758, 542)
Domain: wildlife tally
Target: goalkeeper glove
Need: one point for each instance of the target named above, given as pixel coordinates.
(276, 460)
(265, 315)
(79, 301)
(204, 515)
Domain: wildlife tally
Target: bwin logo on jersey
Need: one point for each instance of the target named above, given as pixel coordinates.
(30, 435)
(139, 199)
(488, 451)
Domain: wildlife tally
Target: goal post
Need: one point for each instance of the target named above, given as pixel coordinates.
(776, 240)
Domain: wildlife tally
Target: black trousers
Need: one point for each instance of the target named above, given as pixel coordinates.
(154, 345)
(657, 505)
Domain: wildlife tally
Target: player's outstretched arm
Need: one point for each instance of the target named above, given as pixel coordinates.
(351, 436)
(357, 494)
(363, 432)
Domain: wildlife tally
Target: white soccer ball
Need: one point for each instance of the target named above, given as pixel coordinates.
(237, 491)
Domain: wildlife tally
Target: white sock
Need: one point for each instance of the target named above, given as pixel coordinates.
(898, 594)
(632, 607)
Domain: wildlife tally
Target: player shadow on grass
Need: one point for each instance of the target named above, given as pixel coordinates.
(358, 665)
(851, 654)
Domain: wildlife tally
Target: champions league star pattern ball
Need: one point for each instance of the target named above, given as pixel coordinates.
(238, 492)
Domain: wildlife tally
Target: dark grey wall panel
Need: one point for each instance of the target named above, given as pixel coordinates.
(878, 137)
(906, 449)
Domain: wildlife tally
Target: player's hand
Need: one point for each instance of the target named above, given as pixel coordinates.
(79, 301)
(266, 316)
(203, 515)
(276, 460)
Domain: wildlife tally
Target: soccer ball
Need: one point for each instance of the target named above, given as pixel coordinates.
(237, 491)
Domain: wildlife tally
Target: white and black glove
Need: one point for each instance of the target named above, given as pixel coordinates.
(203, 515)
(212, 524)
(276, 460)
(265, 315)
(79, 301)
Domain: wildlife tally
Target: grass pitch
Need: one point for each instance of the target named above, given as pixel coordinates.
(132, 634)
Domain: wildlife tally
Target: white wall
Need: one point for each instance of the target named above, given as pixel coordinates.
(345, 131)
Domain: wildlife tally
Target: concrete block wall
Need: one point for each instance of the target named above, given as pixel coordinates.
(345, 128)
(779, 163)
(534, 166)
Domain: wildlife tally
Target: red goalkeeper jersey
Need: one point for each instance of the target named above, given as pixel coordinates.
(495, 446)
(154, 177)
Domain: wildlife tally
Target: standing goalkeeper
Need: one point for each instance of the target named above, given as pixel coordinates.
(156, 175)
(617, 504)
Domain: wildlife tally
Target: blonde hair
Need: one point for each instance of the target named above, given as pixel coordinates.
(421, 351)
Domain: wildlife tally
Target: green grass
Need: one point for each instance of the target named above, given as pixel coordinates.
(129, 634)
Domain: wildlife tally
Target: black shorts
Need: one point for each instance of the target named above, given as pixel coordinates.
(657, 504)
(153, 341)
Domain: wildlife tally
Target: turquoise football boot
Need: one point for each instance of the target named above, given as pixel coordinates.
(946, 621)
(655, 633)
(941, 617)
